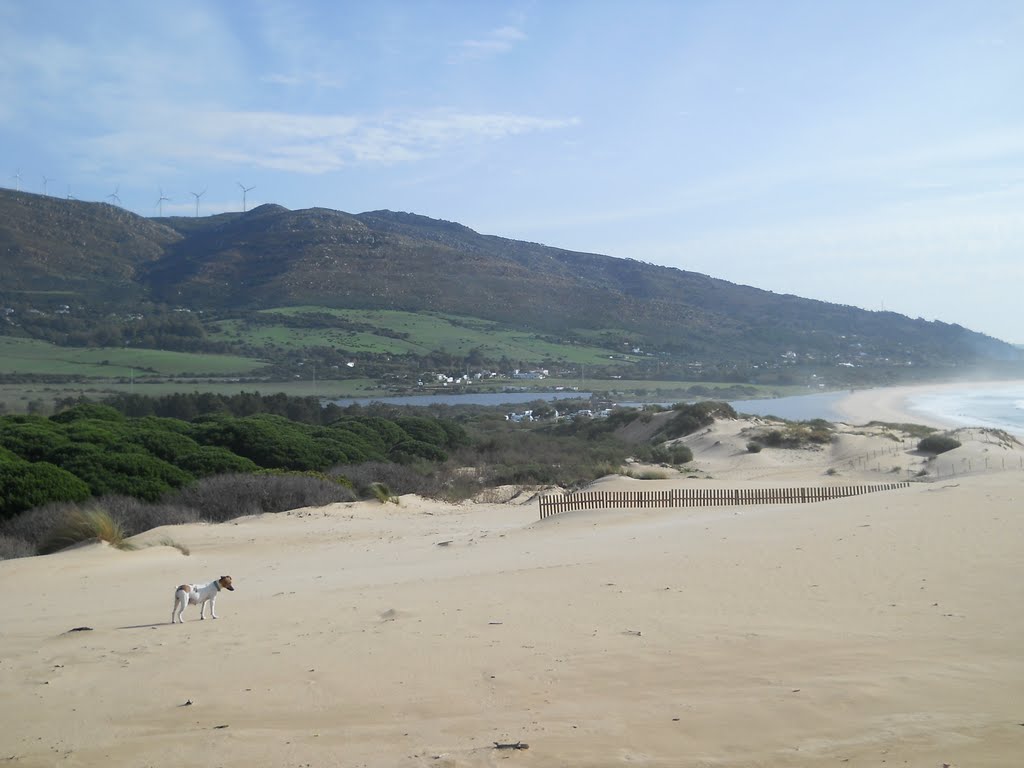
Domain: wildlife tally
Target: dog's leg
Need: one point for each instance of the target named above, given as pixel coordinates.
(213, 607)
(202, 610)
(179, 606)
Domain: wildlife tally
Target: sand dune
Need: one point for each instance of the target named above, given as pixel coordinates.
(876, 630)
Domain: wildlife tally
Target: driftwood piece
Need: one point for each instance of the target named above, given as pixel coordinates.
(511, 745)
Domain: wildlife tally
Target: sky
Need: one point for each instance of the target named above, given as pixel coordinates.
(860, 152)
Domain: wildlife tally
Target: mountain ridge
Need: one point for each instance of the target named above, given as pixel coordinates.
(273, 256)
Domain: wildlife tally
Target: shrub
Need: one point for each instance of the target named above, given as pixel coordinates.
(689, 418)
(401, 478)
(12, 548)
(272, 442)
(410, 450)
(754, 447)
(797, 435)
(212, 460)
(24, 485)
(35, 525)
(88, 411)
(162, 443)
(423, 429)
(32, 438)
(80, 525)
(936, 444)
(136, 516)
(680, 454)
(382, 493)
(225, 497)
(126, 473)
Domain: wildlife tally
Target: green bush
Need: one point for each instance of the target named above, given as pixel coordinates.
(410, 450)
(33, 438)
(687, 419)
(24, 485)
(208, 460)
(90, 412)
(936, 444)
(382, 493)
(797, 435)
(273, 442)
(754, 447)
(129, 473)
(162, 443)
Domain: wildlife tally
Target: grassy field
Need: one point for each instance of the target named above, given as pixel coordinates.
(15, 398)
(397, 333)
(28, 356)
(100, 372)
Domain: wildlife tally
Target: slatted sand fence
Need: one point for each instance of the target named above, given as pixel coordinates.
(553, 503)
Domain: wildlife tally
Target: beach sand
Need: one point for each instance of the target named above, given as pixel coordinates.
(881, 629)
(893, 404)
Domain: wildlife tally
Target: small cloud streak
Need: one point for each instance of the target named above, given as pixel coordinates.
(300, 80)
(313, 144)
(500, 40)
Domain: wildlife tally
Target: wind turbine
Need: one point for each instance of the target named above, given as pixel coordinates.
(197, 195)
(46, 180)
(245, 190)
(160, 202)
(69, 194)
(113, 196)
(17, 179)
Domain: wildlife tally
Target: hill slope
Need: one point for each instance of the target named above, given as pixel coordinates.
(271, 256)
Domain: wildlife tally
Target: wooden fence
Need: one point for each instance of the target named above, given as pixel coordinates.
(552, 504)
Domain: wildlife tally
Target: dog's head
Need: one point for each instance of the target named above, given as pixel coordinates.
(225, 583)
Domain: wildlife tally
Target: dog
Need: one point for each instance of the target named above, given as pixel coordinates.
(191, 594)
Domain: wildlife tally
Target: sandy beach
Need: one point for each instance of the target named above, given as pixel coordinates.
(894, 404)
(881, 629)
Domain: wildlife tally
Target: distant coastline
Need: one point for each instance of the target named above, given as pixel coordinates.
(993, 404)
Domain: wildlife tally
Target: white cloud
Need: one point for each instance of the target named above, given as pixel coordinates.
(500, 40)
(307, 144)
(302, 79)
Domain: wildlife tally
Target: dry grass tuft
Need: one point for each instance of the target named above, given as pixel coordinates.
(167, 541)
(82, 525)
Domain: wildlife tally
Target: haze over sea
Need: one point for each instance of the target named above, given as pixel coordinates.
(997, 405)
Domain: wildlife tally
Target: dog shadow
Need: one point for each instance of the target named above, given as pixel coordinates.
(146, 626)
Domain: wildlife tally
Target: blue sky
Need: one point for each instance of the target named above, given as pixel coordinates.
(865, 153)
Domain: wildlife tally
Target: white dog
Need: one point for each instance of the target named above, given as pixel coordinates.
(190, 594)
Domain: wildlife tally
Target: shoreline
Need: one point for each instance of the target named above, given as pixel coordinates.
(895, 404)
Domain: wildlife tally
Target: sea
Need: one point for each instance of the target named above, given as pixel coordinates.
(998, 405)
